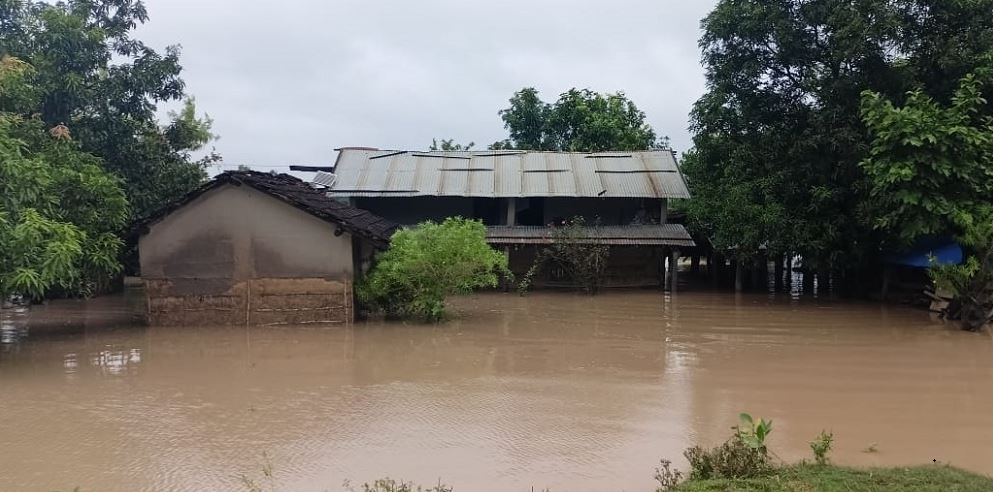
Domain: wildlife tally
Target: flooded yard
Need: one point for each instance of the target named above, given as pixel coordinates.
(552, 390)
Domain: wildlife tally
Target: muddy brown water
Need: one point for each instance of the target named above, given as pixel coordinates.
(553, 390)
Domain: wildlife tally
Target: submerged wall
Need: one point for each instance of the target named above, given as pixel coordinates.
(265, 301)
(235, 255)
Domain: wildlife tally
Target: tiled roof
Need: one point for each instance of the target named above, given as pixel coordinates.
(294, 192)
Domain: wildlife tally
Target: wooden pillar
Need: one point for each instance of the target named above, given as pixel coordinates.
(674, 267)
(662, 252)
(757, 279)
(715, 264)
(511, 212)
(695, 264)
(506, 281)
(789, 272)
(737, 275)
(778, 272)
(664, 211)
(823, 281)
(808, 277)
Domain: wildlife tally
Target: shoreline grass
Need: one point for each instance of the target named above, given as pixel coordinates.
(830, 478)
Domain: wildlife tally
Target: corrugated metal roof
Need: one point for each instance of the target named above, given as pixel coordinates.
(495, 174)
(634, 235)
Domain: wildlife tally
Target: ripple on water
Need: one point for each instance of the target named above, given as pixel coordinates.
(557, 390)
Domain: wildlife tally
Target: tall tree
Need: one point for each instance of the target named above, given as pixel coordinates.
(580, 120)
(93, 77)
(779, 127)
(60, 211)
(929, 163)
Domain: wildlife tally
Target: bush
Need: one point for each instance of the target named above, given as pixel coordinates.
(390, 485)
(667, 477)
(821, 446)
(745, 455)
(972, 281)
(733, 459)
(579, 250)
(427, 263)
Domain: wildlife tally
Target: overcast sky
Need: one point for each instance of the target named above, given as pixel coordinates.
(287, 82)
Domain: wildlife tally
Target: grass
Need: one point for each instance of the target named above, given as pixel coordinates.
(804, 478)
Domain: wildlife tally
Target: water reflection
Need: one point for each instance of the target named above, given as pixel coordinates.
(552, 390)
(13, 329)
(114, 362)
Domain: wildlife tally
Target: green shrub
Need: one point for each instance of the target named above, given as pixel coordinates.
(744, 455)
(972, 281)
(578, 250)
(667, 477)
(753, 433)
(733, 459)
(390, 485)
(821, 446)
(427, 263)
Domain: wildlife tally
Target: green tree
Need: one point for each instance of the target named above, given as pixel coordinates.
(580, 121)
(971, 282)
(930, 167)
(779, 135)
(92, 76)
(427, 263)
(929, 163)
(60, 212)
(449, 145)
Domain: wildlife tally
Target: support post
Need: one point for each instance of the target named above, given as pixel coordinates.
(778, 272)
(674, 266)
(808, 277)
(506, 281)
(737, 275)
(695, 264)
(662, 252)
(511, 217)
(789, 272)
(823, 281)
(664, 211)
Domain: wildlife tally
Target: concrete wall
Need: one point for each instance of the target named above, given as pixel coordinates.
(236, 255)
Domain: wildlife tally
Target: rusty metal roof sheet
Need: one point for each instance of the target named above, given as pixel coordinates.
(630, 235)
(495, 174)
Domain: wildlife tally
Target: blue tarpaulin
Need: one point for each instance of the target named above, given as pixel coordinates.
(944, 251)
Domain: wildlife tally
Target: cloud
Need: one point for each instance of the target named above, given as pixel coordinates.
(287, 82)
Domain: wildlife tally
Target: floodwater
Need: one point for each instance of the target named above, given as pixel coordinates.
(552, 390)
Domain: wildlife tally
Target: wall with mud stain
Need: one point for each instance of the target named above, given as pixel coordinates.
(235, 255)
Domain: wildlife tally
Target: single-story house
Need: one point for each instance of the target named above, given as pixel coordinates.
(520, 194)
(256, 248)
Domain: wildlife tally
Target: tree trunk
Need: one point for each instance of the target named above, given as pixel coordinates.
(778, 270)
(823, 281)
(808, 278)
(715, 267)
